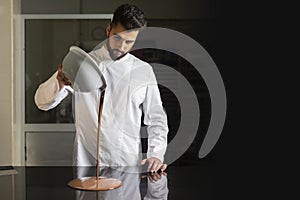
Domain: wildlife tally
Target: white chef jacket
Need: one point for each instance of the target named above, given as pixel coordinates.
(131, 89)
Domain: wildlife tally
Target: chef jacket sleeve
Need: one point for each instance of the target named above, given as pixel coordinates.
(48, 95)
(156, 120)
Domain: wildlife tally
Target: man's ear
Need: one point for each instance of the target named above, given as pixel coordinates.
(108, 29)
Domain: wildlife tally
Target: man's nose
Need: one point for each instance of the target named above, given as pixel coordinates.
(122, 45)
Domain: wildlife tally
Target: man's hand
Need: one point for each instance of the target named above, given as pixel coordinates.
(154, 164)
(62, 79)
(153, 177)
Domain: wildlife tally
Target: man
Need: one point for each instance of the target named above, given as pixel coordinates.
(131, 90)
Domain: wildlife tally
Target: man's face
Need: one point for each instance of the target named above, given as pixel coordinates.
(120, 40)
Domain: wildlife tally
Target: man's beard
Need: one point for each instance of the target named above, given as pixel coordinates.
(110, 51)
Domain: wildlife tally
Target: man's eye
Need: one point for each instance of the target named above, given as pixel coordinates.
(129, 42)
(117, 38)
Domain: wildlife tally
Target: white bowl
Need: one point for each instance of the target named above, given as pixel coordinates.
(82, 71)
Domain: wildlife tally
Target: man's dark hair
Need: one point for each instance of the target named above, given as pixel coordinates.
(130, 16)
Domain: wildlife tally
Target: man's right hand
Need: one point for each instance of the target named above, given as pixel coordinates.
(62, 79)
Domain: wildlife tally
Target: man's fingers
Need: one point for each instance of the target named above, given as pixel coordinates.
(151, 178)
(66, 80)
(155, 176)
(143, 161)
(163, 174)
(150, 163)
(163, 167)
(156, 166)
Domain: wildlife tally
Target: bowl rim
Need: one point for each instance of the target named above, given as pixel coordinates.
(77, 50)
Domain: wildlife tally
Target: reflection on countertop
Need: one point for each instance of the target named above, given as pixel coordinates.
(179, 182)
